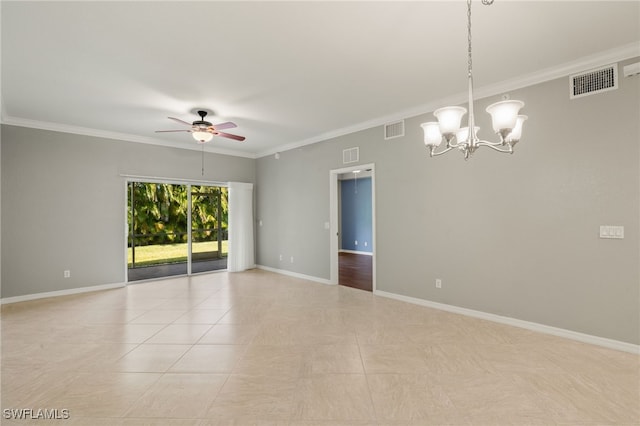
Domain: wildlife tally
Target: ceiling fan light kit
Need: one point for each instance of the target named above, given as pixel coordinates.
(203, 131)
(202, 136)
(506, 121)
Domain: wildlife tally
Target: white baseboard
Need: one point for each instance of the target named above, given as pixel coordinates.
(35, 296)
(295, 274)
(366, 253)
(541, 328)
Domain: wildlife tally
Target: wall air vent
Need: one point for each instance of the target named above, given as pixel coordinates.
(394, 130)
(351, 155)
(594, 81)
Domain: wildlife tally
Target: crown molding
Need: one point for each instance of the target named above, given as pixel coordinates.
(620, 53)
(86, 131)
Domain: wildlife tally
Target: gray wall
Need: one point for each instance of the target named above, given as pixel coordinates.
(63, 203)
(510, 235)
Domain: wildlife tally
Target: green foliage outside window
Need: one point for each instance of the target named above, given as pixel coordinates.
(159, 214)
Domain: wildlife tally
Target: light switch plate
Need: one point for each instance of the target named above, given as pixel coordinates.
(612, 231)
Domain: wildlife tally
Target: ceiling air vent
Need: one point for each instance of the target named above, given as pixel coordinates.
(394, 130)
(595, 81)
(351, 155)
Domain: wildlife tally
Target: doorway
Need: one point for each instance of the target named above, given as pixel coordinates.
(352, 227)
(175, 229)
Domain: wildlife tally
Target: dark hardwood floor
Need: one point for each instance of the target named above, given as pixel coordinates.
(356, 270)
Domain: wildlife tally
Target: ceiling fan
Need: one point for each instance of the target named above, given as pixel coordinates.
(203, 131)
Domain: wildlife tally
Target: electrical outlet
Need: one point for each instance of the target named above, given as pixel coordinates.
(67, 273)
(438, 283)
(291, 259)
(280, 257)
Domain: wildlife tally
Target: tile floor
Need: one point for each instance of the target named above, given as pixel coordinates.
(257, 348)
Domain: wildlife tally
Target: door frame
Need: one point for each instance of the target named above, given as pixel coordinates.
(334, 204)
(161, 180)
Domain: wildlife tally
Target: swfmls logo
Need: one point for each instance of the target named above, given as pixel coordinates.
(35, 414)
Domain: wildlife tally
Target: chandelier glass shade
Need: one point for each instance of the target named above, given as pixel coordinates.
(506, 120)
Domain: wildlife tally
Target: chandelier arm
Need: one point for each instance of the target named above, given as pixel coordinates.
(494, 147)
(487, 143)
(433, 153)
(455, 144)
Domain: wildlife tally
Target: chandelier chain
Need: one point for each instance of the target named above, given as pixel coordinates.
(469, 63)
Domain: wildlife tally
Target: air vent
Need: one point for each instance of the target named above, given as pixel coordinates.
(394, 130)
(351, 155)
(595, 81)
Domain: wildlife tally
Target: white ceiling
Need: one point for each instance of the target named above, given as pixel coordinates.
(288, 73)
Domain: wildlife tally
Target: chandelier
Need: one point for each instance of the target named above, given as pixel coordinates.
(504, 116)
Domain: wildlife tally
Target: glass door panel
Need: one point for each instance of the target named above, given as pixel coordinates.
(209, 215)
(157, 224)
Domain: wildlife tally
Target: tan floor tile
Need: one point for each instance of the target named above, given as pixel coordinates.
(19, 353)
(179, 396)
(294, 352)
(142, 303)
(215, 302)
(111, 316)
(230, 334)
(333, 397)
(279, 361)
(241, 315)
(512, 358)
(201, 316)
(209, 359)
(382, 335)
(461, 359)
(411, 398)
(303, 334)
(332, 359)
(487, 397)
(437, 332)
(180, 334)
(325, 334)
(395, 359)
(570, 398)
(249, 398)
(103, 394)
(158, 316)
(294, 314)
(278, 334)
(29, 386)
(149, 358)
(131, 333)
(104, 357)
(352, 422)
(176, 304)
(96, 421)
(244, 421)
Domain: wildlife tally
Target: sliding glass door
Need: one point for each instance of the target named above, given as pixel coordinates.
(175, 229)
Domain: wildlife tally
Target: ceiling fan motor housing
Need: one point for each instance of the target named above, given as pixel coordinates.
(202, 123)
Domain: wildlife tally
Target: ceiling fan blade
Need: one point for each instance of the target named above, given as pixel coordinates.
(165, 131)
(180, 121)
(230, 136)
(222, 126)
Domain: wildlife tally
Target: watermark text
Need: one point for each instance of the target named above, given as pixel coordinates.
(36, 414)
